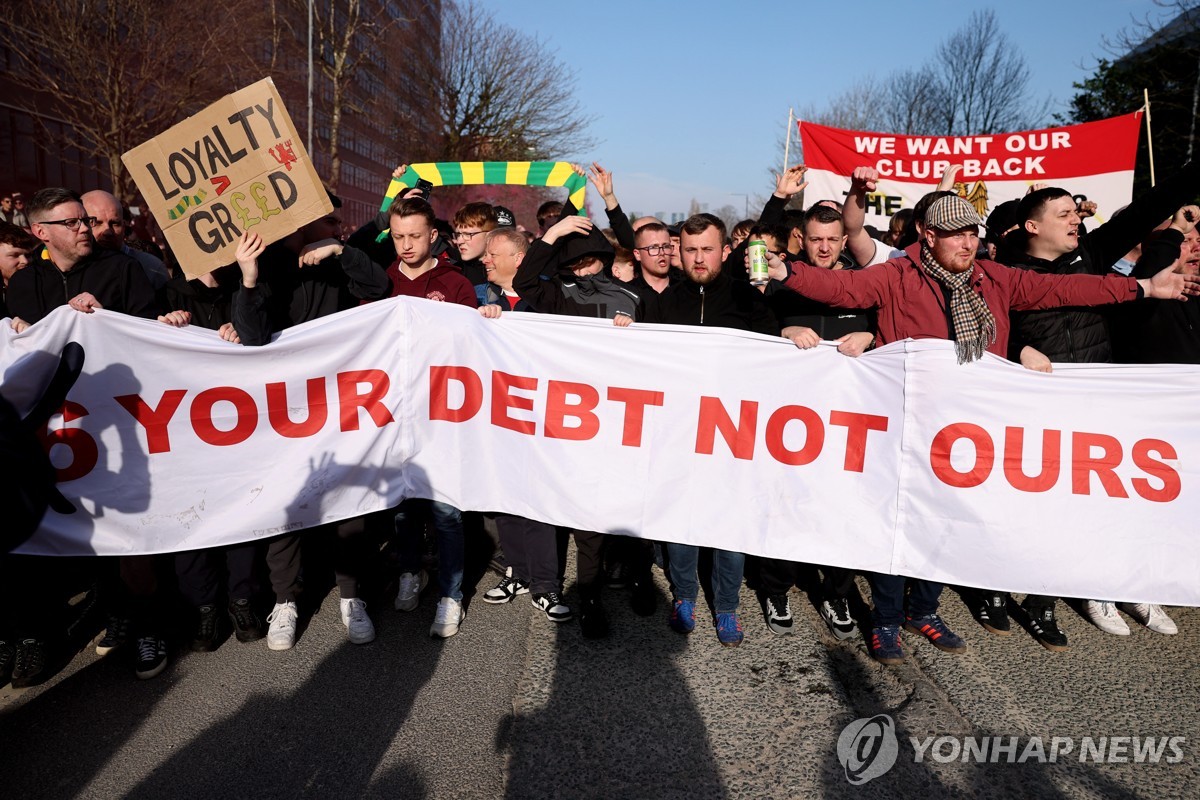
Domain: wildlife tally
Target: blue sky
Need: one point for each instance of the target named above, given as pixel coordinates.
(726, 73)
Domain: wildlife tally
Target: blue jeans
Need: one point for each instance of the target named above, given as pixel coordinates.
(447, 520)
(887, 594)
(726, 575)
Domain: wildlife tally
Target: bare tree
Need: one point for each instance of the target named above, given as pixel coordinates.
(857, 108)
(914, 101)
(1158, 54)
(728, 214)
(983, 81)
(500, 94)
(350, 37)
(103, 76)
(978, 82)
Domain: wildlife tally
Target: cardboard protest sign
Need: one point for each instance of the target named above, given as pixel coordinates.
(1094, 160)
(237, 165)
(481, 173)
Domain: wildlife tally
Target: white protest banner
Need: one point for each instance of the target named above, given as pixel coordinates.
(900, 461)
(1094, 159)
(237, 165)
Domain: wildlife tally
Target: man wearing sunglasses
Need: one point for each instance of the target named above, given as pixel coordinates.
(71, 270)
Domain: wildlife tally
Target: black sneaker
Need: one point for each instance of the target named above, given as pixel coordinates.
(644, 599)
(778, 613)
(29, 664)
(115, 635)
(506, 590)
(84, 612)
(618, 576)
(151, 657)
(8, 659)
(1044, 627)
(246, 624)
(592, 618)
(550, 604)
(836, 613)
(207, 634)
(991, 610)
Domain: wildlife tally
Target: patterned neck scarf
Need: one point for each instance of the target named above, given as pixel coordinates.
(974, 326)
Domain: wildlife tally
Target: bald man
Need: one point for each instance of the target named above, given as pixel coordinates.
(108, 229)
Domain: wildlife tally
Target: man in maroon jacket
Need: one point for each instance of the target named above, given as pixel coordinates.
(937, 290)
(418, 273)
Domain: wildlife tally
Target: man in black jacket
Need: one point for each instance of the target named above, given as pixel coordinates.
(1156, 332)
(709, 297)
(312, 274)
(564, 273)
(1048, 240)
(807, 322)
(72, 270)
(308, 275)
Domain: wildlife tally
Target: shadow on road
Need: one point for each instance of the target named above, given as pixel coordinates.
(618, 719)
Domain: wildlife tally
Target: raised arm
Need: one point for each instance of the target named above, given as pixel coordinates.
(854, 214)
(618, 220)
(859, 288)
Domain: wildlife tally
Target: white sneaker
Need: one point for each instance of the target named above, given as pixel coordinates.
(449, 616)
(1105, 617)
(411, 587)
(358, 624)
(1152, 616)
(282, 633)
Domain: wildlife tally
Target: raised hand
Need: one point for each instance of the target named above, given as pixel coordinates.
(1185, 219)
(249, 248)
(790, 182)
(567, 226)
(603, 181)
(866, 178)
(949, 178)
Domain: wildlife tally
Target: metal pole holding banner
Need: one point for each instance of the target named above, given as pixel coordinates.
(1149, 136)
(787, 142)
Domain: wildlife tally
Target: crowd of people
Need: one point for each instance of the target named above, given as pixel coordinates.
(1036, 288)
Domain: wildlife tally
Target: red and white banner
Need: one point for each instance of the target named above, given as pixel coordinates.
(1095, 159)
(901, 461)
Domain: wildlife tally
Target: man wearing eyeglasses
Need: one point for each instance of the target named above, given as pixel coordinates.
(652, 249)
(71, 270)
(471, 224)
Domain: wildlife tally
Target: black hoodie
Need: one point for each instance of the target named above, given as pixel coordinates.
(544, 281)
(117, 281)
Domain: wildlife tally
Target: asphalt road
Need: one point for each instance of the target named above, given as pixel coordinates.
(515, 706)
